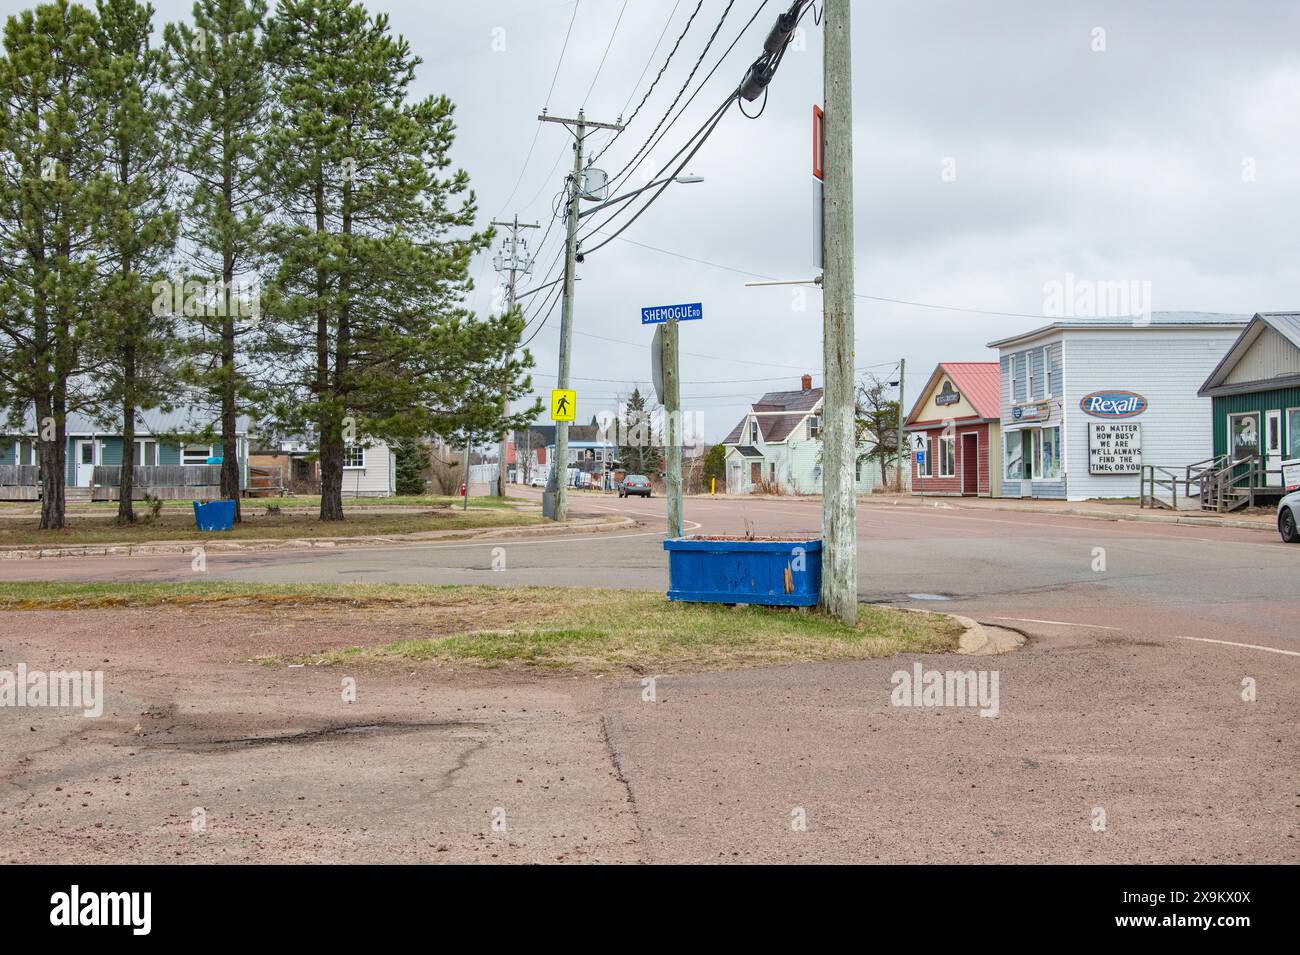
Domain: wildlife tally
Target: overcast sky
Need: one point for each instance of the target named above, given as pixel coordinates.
(1170, 157)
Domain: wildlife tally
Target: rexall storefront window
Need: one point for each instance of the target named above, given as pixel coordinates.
(1033, 454)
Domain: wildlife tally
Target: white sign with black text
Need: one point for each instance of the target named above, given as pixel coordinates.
(1114, 447)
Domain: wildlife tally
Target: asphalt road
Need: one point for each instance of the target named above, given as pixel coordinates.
(1150, 717)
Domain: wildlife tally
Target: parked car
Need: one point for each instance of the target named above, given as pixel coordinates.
(537, 479)
(1288, 514)
(635, 484)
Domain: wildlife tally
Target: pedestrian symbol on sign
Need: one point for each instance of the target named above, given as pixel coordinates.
(563, 405)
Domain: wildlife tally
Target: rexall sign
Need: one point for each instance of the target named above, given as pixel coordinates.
(1113, 404)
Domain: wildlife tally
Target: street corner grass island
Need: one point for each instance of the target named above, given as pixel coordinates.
(579, 630)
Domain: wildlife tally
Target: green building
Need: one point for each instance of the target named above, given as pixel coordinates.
(1256, 397)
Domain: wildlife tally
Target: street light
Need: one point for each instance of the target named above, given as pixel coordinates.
(684, 180)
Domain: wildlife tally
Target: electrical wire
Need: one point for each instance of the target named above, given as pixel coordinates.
(689, 77)
(605, 56)
(658, 76)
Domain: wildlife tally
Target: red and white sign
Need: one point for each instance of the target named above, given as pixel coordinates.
(819, 142)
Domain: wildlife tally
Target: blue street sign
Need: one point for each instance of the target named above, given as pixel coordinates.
(658, 314)
(920, 457)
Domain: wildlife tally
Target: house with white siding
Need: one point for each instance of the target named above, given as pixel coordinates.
(778, 442)
(1087, 401)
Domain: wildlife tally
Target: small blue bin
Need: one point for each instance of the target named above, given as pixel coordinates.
(776, 573)
(214, 516)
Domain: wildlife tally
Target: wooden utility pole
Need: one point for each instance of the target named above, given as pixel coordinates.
(557, 484)
(512, 264)
(672, 428)
(839, 593)
(902, 410)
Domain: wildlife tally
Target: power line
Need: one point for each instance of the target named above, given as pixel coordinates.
(658, 76)
(605, 56)
(689, 77)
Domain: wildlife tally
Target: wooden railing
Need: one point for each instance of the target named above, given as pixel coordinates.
(1153, 477)
(168, 475)
(19, 475)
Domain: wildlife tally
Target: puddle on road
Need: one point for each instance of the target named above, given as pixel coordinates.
(928, 597)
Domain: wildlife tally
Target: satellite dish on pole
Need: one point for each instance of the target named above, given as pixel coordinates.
(657, 363)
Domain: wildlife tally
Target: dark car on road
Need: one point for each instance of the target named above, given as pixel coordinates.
(635, 484)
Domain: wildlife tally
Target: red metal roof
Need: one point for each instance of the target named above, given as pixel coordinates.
(980, 382)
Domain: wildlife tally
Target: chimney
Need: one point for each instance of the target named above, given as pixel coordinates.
(807, 382)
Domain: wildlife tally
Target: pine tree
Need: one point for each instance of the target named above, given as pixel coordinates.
(218, 71)
(639, 453)
(368, 332)
(132, 335)
(53, 195)
(412, 462)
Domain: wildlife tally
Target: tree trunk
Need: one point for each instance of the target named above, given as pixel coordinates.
(126, 479)
(331, 469)
(53, 456)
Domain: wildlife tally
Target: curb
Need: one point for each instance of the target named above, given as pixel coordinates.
(1079, 512)
(597, 526)
(982, 641)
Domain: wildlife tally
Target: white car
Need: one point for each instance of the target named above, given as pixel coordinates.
(1288, 517)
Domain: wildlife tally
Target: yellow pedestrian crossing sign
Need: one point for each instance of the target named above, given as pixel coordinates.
(564, 404)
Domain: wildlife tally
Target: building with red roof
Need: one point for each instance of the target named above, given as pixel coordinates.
(954, 431)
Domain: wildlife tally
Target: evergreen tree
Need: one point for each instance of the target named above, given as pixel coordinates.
(218, 71)
(52, 198)
(715, 464)
(132, 335)
(368, 333)
(639, 452)
(412, 462)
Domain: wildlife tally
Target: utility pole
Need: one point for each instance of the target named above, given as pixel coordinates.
(557, 484)
(839, 593)
(902, 411)
(511, 265)
(672, 428)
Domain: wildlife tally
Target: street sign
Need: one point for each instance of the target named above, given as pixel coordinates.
(920, 458)
(657, 314)
(919, 442)
(564, 404)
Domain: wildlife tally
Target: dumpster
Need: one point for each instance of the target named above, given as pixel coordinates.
(738, 570)
(214, 515)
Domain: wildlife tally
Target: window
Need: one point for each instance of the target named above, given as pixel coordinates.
(1011, 367)
(947, 455)
(814, 427)
(27, 452)
(196, 453)
(1029, 375)
(753, 431)
(1047, 453)
(1014, 459)
(1293, 432)
(926, 468)
(1243, 435)
(146, 453)
(354, 456)
(1047, 372)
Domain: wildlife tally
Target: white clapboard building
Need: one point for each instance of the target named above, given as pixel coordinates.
(1087, 401)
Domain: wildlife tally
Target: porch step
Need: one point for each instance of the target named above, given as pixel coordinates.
(78, 494)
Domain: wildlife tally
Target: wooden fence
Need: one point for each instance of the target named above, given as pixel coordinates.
(19, 482)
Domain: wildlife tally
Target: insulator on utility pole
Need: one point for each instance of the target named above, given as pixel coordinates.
(781, 30)
(756, 80)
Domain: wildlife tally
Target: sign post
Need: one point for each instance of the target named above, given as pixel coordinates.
(665, 368)
(919, 442)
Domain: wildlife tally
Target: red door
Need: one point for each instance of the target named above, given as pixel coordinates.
(970, 464)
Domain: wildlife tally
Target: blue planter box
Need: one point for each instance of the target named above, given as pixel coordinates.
(214, 516)
(778, 573)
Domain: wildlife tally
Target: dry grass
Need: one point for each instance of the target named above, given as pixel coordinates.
(574, 629)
